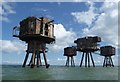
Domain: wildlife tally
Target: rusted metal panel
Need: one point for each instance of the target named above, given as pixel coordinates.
(96, 39)
(24, 28)
(46, 20)
(36, 45)
(107, 51)
(69, 51)
(33, 27)
(50, 30)
(87, 43)
(38, 24)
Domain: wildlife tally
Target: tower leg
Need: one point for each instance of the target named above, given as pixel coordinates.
(33, 59)
(30, 61)
(82, 59)
(46, 63)
(92, 59)
(104, 62)
(37, 54)
(71, 62)
(39, 58)
(26, 57)
(108, 61)
(66, 61)
(88, 60)
(111, 62)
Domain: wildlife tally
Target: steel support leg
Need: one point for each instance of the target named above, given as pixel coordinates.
(26, 57)
(92, 59)
(82, 59)
(46, 63)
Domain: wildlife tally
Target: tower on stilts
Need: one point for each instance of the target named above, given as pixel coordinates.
(36, 32)
(87, 45)
(107, 52)
(70, 52)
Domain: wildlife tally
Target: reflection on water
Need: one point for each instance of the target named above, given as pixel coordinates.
(12, 72)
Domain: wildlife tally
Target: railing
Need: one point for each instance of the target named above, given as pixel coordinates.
(16, 30)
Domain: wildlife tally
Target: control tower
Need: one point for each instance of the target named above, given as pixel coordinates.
(87, 45)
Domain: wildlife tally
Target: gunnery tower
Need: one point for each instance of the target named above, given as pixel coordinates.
(107, 52)
(87, 45)
(70, 52)
(36, 32)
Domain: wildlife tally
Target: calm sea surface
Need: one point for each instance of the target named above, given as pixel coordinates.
(16, 72)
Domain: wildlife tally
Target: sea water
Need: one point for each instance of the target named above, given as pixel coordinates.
(16, 72)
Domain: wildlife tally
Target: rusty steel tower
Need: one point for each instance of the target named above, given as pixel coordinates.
(70, 52)
(87, 45)
(36, 32)
(107, 52)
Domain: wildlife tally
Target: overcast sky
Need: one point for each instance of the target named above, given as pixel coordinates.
(72, 20)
